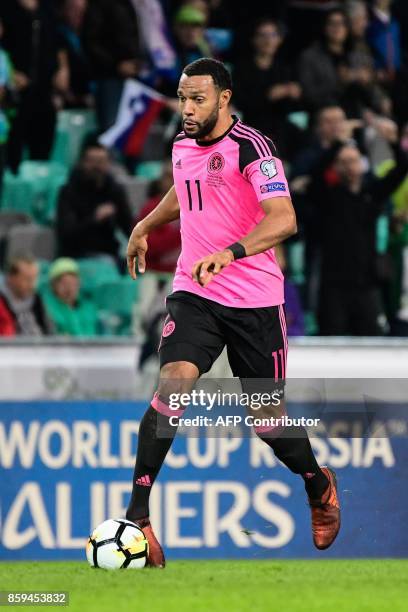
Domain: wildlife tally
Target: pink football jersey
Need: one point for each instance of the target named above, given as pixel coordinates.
(220, 185)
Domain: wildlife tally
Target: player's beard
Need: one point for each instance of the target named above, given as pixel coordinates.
(205, 127)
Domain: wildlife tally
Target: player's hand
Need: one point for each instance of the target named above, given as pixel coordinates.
(206, 268)
(137, 248)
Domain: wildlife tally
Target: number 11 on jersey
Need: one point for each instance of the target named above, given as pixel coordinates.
(190, 197)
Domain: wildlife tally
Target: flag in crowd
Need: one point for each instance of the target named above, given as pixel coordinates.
(155, 34)
(139, 107)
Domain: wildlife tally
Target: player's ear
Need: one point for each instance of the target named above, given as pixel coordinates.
(225, 97)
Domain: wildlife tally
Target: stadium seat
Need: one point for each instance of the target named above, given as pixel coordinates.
(33, 239)
(46, 179)
(73, 126)
(116, 301)
(300, 119)
(17, 194)
(41, 170)
(35, 189)
(149, 170)
(95, 271)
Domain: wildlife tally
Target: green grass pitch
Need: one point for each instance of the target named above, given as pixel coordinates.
(245, 585)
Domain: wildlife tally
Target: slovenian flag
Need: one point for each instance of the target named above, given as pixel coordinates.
(138, 108)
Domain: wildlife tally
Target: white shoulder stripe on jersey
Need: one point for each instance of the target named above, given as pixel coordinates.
(259, 136)
(265, 151)
(260, 152)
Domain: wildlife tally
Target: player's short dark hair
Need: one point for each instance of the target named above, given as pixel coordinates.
(217, 70)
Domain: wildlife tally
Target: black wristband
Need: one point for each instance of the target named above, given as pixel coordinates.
(238, 250)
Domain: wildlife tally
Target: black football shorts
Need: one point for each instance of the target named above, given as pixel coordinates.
(197, 330)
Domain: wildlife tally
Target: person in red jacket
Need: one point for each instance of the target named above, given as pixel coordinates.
(164, 242)
(22, 311)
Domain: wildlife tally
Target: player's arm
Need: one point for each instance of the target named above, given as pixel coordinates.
(278, 224)
(267, 177)
(166, 211)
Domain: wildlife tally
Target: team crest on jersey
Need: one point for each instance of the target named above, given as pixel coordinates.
(216, 163)
(268, 168)
(168, 329)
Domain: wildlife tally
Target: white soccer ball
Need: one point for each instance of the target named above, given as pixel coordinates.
(117, 544)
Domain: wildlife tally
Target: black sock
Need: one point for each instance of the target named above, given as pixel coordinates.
(155, 438)
(293, 448)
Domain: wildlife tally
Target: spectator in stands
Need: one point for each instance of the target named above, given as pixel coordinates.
(30, 37)
(321, 64)
(111, 41)
(336, 71)
(305, 20)
(400, 10)
(71, 314)
(384, 37)
(357, 13)
(165, 241)
(218, 18)
(396, 309)
(5, 86)
(349, 202)
(330, 126)
(189, 40)
(78, 93)
(266, 89)
(22, 311)
(201, 5)
(92, 207)
(361, 88)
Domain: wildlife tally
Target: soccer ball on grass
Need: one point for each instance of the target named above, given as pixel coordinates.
(117, 544)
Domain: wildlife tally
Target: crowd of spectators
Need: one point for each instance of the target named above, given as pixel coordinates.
(326, 80)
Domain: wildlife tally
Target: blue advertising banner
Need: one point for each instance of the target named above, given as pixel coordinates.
(67, 466)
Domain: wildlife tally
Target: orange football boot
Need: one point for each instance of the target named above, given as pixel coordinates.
(326, 513)
(155, 557)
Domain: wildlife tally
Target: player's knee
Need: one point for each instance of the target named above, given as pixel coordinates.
(177, 377)
(183, 370)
